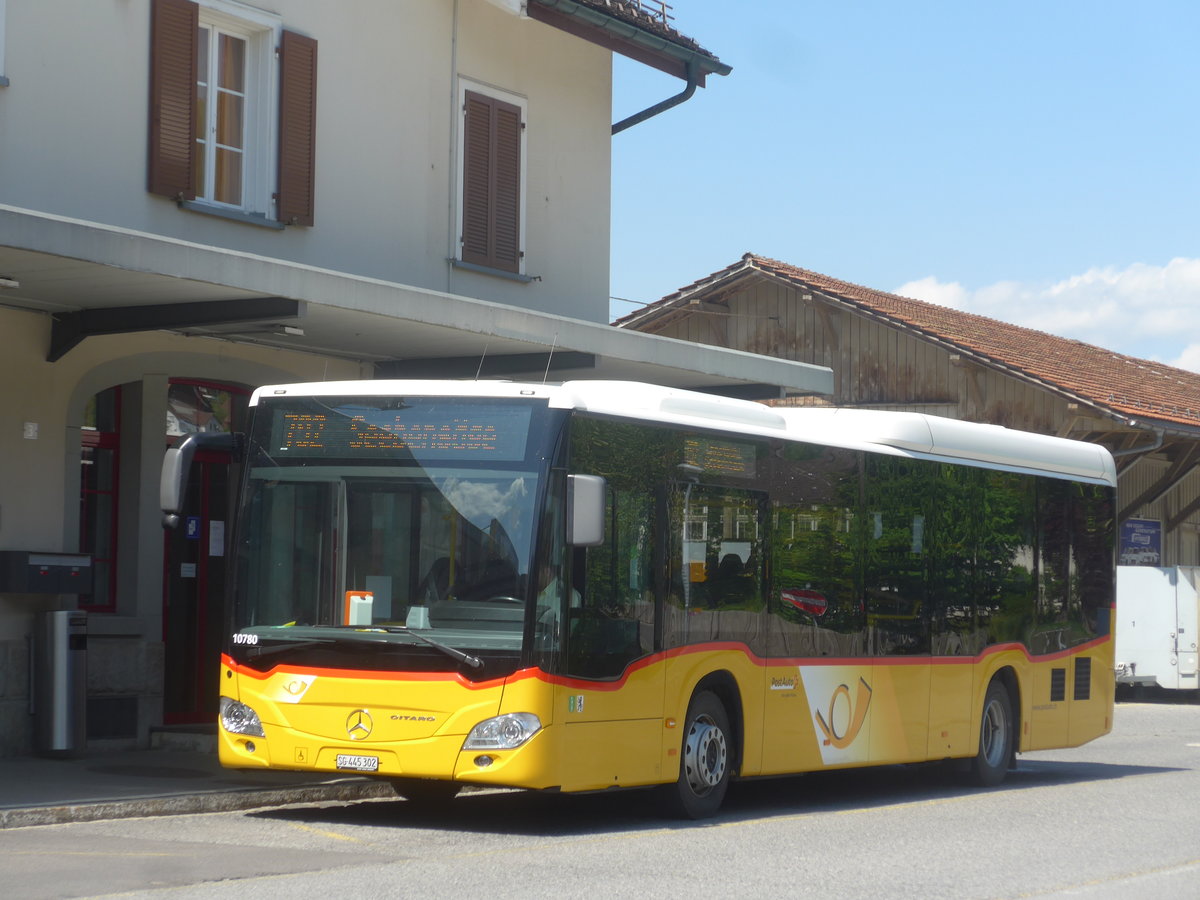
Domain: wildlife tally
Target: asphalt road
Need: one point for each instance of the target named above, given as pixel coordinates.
(1114, 819)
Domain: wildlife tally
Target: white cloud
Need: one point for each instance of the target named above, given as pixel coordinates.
(481, 501)
(1188, 359)
(1152, 312)
(953, 295)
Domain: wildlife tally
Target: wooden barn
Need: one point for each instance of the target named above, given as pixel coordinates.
(891, 352)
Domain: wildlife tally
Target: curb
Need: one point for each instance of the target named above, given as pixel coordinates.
(213, 801)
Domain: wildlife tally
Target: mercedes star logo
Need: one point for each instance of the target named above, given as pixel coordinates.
(358, 725)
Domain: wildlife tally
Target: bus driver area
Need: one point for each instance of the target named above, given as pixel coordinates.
(601, 584)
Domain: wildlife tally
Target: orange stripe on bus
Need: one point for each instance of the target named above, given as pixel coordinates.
(655, 658)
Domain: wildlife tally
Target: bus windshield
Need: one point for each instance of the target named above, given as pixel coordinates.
(404, 526)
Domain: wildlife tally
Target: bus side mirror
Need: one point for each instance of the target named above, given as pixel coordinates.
(177, 465)
(585, 510)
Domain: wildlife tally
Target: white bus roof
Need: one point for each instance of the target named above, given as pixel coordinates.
(897, 433)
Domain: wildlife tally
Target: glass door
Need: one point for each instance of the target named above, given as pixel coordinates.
(194, 610)
(194, 556)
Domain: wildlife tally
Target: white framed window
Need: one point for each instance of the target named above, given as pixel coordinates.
(236, 107)
(491, 184)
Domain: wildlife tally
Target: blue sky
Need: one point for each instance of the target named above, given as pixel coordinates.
(1036, 162)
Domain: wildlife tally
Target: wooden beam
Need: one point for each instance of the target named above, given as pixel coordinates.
(1181, 516)
(70, 329)
(971, 372)
(1180, 469)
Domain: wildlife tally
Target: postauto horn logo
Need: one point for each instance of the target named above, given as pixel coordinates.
(858, 714)
(840, 699)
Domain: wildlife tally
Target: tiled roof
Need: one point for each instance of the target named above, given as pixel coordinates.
(1122, 385)
(645, 16)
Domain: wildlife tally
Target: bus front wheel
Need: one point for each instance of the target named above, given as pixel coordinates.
(704, 765)
(990, 764)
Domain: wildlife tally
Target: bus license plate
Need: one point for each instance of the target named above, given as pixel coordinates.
(358, 763)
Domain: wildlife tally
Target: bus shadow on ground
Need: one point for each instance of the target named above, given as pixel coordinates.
(545, 815)
(1157, 695)
(856, 789)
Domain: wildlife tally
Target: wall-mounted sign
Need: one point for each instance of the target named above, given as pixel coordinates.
(1141, 543)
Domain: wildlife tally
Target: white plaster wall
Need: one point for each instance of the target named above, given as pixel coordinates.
(32, 493)
(567, 85)
(73, 142)
(74, 138)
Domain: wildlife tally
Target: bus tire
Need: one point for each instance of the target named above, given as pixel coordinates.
(705, 758)
(426, 791)
(990, 764)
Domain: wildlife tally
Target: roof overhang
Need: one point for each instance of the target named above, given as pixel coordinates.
(100, 279)
(658, 47)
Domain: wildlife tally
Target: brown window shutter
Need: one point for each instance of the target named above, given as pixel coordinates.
(297, 129)
(476, 180)
(491, 225)
(173, 27)
(506, 243)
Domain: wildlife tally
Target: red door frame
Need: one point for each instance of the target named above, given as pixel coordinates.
(197, 712)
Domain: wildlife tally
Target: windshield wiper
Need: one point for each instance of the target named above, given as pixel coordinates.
(473, 661)
(466, 658)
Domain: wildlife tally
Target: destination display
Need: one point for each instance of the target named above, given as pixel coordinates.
(720, 457)
(425, 429)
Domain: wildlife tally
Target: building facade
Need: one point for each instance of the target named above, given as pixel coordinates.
(198, 197)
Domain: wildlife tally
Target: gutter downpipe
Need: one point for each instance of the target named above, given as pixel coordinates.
(1139, 452)
(1148, 448)
(693, 78)
(451, 174)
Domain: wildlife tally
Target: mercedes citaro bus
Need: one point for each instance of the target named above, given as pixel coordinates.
(599, 585)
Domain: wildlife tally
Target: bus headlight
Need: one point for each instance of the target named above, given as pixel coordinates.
(506, 732)
(238, 718)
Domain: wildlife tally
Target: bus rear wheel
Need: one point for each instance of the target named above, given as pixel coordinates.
(990, 764)
(705, 758)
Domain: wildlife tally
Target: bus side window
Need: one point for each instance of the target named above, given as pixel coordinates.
(717, 556)
(600, 645)
(614, 621)
(816, 553)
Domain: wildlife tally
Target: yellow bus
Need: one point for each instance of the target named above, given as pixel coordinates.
(600, 585)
